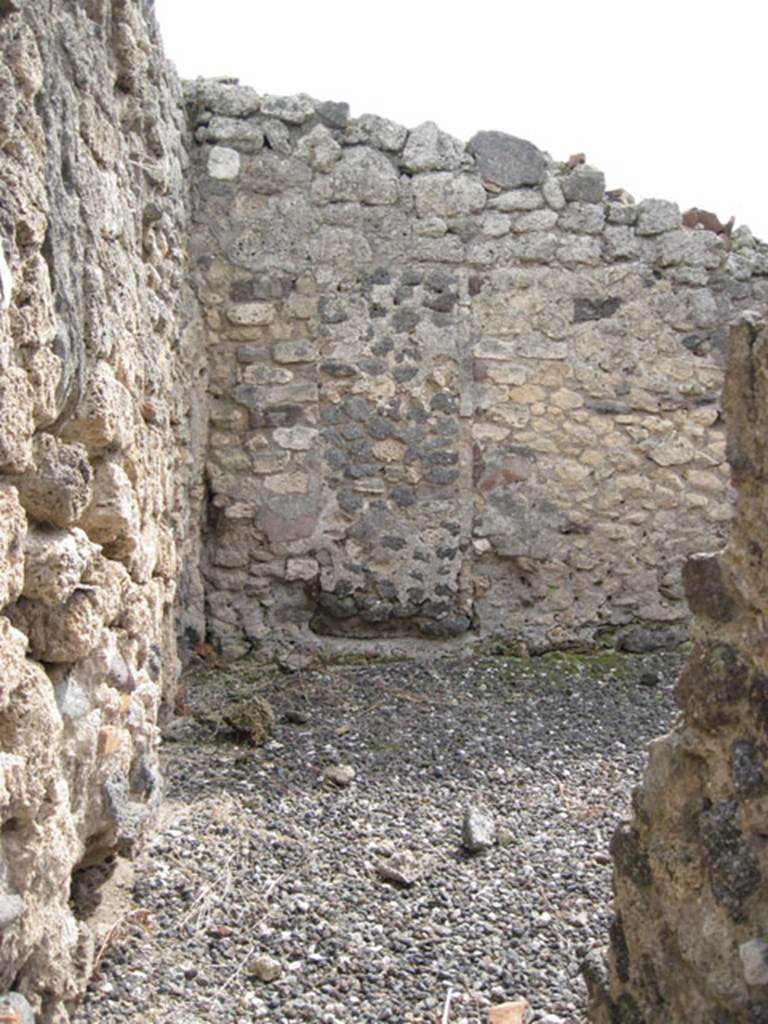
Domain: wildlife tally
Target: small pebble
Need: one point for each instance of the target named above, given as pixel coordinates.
(266, 968)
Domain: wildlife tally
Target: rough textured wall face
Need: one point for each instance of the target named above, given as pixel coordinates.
(690, 937)
(99, 432)
(455, 390)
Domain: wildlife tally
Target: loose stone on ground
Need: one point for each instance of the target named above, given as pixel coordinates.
(271, 894)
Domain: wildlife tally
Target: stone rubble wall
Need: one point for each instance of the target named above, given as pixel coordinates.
(438, 391)
(690, 937)
(102, 431)
(455, 390)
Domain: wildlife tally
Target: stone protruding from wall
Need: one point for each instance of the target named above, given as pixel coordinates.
(689, 940)
(455, 390)
(101, 437)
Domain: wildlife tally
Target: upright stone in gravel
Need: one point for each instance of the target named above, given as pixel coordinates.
(340, 775)
(402, 868)
(507, 161)
(266, 968)
(478, 830)
(518, 1011)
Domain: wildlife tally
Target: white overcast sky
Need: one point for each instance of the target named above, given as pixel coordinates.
(667, 98)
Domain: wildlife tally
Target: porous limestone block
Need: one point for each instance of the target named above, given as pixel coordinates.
(517, 199)
(250, 314)
(226, 98)
(429, 149)
(441, 194)
(54, 563)
(16, 420)
(233, 133)
(13, 529)
(583, 218)
(552, 192)
(295, 438)
(113, 513)
(655, 216)
(620, 243)
(104, 417)
(319, 148)
(291, 109)
(57, 488)
(63, 633)
(697, 248)
(534, 220)
(364, 175)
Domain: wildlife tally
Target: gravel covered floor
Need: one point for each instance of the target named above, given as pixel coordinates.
(259, 854)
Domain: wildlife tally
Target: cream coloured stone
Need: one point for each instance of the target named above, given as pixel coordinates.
(104, 417)
(515, 199)
(431, 227)
(63, 633)
(507, 373)
(489, 432)
(566, 400)
(319, 148)
(250, 314)
(58, 486)
(496, 224)
(707, 481)
(514, 415)
(389, 450)
(754, 957)
(257, 374)
(671, 451)
(298, 439)
(16, 422)
(113, 513)
(223, 163)
(287, 483)
(13, 530)
(302, 307)
(534, 220)
(553, 193)
(54, 563)
(442, 194)
(239, 510)
(301, 569)
(43, 370)
(6, 281)
(300, 351)
(364, 175)
(429, 149)
(527, 394)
